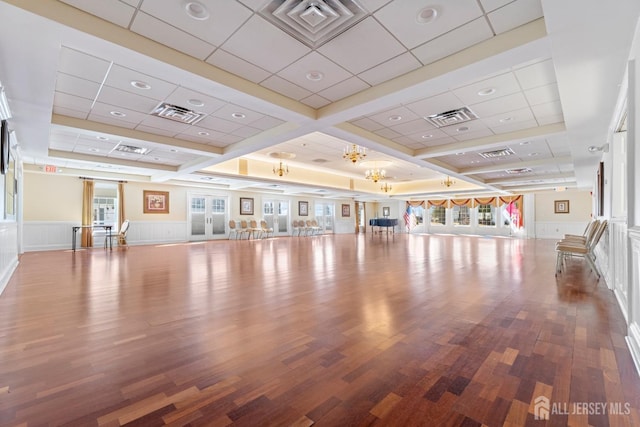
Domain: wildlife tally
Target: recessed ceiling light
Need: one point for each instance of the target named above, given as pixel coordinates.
(140, 85)
(174, 150)
(238, 116)
(395, 118)
(533, 154)
(315, 76)
(474, 161)
(459, 154)
(506, 119)
(196, 10)
(463, 129)
(203, 133)
(95, 150)
(195, 102)
(426, 15)
(525, 143)
(118, 114)
(487, 91)
(102, 138)
(427, 136)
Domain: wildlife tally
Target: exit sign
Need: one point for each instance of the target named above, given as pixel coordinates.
(50, 168)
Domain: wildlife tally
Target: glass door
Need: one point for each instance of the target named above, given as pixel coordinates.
(276, 213)
(324, 213)
(207, 217)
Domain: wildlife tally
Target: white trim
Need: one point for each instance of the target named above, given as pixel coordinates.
(633, 342)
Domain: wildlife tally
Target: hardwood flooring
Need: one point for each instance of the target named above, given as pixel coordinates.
(340, 330)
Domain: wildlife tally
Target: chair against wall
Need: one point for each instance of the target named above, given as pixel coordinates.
(244, 228)
(254, 229)
(265, 229)
(233, 229)
(121, 237)
(295, 228)
(566, 248)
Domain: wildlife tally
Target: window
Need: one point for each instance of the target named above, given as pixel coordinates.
(486, 215)
(104, 210)
(438, 215)
(217, 206)
(461, 215)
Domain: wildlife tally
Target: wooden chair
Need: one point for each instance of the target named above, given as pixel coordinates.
(121, 237)
(265, 229)
(233, 229)
(295, 227)
(244, 228)
(254, 229)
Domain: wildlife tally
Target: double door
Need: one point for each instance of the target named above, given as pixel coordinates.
(276, 213)
(208, 217)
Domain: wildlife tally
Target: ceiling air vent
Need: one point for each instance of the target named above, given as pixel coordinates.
(176, 113)
(497, 153)
(452, 117)
(313, 22)
(131, 149)
(519, 170)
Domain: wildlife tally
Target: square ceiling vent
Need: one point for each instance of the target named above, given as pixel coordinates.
(132, 149)
(453, 117)
(176, 113)
(313, 22)
(503, 152)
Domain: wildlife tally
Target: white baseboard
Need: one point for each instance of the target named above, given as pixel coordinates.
(633, 341)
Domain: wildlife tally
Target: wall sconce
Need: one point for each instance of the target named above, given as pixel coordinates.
(595, 149)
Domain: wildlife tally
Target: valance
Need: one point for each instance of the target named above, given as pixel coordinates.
(462, 202)
(486, 201)
(444, 203)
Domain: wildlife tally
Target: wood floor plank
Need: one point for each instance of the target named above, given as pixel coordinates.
(333, 330)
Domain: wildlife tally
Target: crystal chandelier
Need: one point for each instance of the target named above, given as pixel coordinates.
(375, 175)
(355, 153)
(281, 170)
(448, 182)
(385, 187)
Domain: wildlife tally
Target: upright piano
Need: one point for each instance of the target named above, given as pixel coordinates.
(384, 222)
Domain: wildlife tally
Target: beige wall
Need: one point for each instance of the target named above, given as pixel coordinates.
(580, 206)
(49, 197)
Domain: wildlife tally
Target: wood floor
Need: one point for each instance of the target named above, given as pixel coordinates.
(340, 330)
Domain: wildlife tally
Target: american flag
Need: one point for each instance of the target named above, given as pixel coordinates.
(407, 218)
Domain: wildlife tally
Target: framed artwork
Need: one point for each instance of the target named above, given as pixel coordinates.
(385, 211)
(155, 201)
(303, 208)
(561, 206)
(246, 206)
(346, 210)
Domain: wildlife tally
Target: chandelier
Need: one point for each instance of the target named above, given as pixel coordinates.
(448, 182)
(385, 187)
(355, 153)
(281, 169)
(375, 175)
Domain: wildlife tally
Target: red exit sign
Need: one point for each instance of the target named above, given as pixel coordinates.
(50, 168)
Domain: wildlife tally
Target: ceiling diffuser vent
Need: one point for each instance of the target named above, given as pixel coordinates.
(176, 113)
(131, 149)
(452, 117)
(519, 170)
(497, 153)
(313, 22)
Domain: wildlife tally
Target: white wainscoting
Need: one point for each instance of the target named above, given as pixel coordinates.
(8, 251)
(602, 253)
(618, 264)
(555, 230)
(56, 235)
(633, 337)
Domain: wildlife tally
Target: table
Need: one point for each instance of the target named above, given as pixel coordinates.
(75, 229)
(384, 222)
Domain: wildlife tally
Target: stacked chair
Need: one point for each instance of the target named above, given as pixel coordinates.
(580, 245)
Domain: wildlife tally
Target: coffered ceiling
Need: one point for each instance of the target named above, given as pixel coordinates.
(500, 95)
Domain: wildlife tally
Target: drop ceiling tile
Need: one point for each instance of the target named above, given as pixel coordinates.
(454, 41)
(132, 101)
(401, 18)
(414, 126)
(514, 126)
(547, 120)
(436, 104)
(187, 98)
(364, 46)
(388, 117)
(104, 110)
(286, 88)
(111, 10)
(252, 4)
(470, 126)
(509, 118)
(121, 78)
(503, 84)
(343, 89)
(240, 67)
(315, 101)
(218, 124)
(367, 124)
(268, 47)
(76, 86)
(390, 69)
(246, 131)
(156, 30)
(82, 65)
(490, 5)
(225, 18)
(267, 122)
(538, 74)
(548, 109)
(430, 136)
(70, 112)
(229, 110)
(63, 100)
(515, 14)
(387, 133)
(314, 62)
(500, 105)
(110, 120)
(61, 145)
(162, 126)
(466, 136)
(542, 94)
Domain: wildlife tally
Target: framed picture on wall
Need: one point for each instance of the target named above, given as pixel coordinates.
(561, 206)
(346, 210)
(385, 211)
(303, 208)
(155, 201)
(246, 206)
